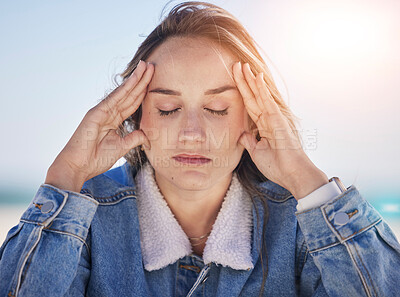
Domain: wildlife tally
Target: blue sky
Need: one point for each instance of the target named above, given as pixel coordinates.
(335, 62)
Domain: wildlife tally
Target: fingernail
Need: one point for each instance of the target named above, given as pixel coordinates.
(240, 65)
(140, 62)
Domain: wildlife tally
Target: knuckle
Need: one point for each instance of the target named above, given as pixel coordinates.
(91, 111)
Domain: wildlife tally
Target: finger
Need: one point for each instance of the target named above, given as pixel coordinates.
(251, 81)
(134, 139)
(108, 108)
(126, 87)
(249, 141)
(136, 96)
(127, 106)
(265, 95)
(131, 109)
(247, 95)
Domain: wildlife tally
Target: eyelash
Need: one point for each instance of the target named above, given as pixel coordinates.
(216, 112)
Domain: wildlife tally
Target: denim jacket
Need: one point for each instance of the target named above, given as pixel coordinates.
(88, 243)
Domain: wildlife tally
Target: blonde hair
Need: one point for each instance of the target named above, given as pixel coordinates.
(201, 19)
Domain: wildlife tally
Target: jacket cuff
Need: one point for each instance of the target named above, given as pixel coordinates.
(61, 210)
(338, 220)
(319, 196)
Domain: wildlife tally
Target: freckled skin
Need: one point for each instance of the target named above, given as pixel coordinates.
(191, 67)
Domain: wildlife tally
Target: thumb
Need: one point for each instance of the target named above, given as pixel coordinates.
(249, 141)
(134, 139)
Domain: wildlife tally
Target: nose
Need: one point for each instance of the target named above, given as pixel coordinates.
(192, 129)
(192, 135)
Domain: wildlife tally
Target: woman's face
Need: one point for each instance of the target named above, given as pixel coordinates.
(193, 108)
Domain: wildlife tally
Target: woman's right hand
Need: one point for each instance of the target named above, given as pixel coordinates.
(95, 145)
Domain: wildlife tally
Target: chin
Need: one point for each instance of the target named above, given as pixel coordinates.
(190, 176)
(194, 186)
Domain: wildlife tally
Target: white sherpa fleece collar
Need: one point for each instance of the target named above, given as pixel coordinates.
(163, 240)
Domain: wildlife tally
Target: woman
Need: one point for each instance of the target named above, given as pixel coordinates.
(217, 197)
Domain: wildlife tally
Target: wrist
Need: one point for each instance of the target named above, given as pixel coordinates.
(63, 179)
(307, 182)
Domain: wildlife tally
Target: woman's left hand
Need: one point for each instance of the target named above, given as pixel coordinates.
(278, 155)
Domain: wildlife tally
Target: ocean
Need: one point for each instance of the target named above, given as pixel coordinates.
(13, 203)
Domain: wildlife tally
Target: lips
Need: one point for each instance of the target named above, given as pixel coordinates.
(191, 159)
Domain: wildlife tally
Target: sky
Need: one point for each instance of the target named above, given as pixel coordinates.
(335, 62)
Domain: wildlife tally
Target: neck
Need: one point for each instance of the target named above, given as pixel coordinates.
(196, 211)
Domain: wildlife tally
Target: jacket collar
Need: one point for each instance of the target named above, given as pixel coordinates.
(163, 240)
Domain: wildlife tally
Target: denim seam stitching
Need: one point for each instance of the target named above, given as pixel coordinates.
(358, 270)
(354, 262)
(359, 231)
(86, 192)
(347, 238)
(32, 222)
(65, 233)
(365, 268)
(27, 264)
(337, 233)
(88, 250)
(200, 278)
(26, 258)
(115, 196)
(23, 264)
(281, 198)
(305, 259)
(299, 267)
(349, 190)
(57, 211)
(117, 201)
(324, 247)
(53, 215)
(70, 234)
(54, 190)
(273, 196)
(81, 195)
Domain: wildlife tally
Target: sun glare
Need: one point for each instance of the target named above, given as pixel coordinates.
(339, 32)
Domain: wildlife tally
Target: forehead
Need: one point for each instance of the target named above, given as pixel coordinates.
(186, 58)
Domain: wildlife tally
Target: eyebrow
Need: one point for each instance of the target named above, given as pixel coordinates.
(208, 92)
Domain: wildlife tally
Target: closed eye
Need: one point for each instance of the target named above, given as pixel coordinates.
(167, 112)
(216, 112)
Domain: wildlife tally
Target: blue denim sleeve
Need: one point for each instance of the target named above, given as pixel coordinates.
(41, 256)
(348, 250)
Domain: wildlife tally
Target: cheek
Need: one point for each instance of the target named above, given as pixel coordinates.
(225, 137)
(239, 125)
(246, 120)
(148, 124)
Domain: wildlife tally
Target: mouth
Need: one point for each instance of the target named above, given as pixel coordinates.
(191, 159)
